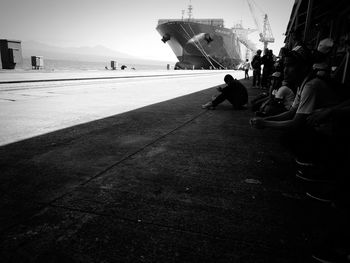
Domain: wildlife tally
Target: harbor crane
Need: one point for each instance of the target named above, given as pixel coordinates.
(265, 32)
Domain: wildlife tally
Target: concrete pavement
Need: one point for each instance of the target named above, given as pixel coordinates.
(29, 109)
(168, 182)
(22, 76)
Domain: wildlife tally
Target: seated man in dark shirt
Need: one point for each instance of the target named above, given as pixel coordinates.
(234, 92)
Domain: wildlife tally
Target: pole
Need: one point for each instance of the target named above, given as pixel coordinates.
(346, 65)
(308, 19)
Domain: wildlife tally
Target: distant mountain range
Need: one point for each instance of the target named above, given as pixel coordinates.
(93, 54)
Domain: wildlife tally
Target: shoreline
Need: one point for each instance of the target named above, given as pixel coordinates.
(14, 76)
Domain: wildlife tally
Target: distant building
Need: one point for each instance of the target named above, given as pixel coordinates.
(37, 62)
(114, 65)
(10, 53)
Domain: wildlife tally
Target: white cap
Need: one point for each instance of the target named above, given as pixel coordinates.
(325, 45)
(276, 74)
(320, 66)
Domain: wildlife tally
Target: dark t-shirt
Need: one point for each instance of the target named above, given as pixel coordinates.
(256, 62)
(236, 93)
(267, 60)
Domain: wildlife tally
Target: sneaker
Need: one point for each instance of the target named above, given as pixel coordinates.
(260, 114)
(330, 256)
(303, 162)
(208, 106)
(322, 197)
(312, 176)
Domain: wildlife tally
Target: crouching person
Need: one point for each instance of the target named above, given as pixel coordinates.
(234, 92)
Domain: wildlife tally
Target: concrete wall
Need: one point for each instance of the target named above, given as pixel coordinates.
(17, 52)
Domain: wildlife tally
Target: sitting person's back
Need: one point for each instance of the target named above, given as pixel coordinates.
(239, 94)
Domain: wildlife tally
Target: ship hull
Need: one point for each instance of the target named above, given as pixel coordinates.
(200, 46)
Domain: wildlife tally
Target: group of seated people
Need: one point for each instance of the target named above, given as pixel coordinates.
(307, 104)
(312, 108)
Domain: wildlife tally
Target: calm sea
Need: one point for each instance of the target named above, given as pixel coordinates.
(54, 64)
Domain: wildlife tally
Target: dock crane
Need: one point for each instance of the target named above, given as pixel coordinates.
(265, 32)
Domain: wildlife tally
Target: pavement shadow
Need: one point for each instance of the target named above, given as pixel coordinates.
(158, 181)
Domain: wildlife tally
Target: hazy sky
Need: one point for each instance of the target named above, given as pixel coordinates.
(127, 26)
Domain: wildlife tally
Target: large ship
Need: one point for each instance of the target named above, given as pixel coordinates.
(204, 43)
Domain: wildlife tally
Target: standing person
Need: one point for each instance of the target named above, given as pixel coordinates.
(267, 61)
(256, 65)
(246, 67)
(312, 94)
(234, 92)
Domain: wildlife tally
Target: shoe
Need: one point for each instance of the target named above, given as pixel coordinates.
(322, 197)
(208, 106)
(312, 176)
(303, 162)
(260, 114)
(330, 256)
(240, 108)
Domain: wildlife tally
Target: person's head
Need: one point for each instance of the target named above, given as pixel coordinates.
(323, 50)
(228, 79)
(276, 80)
(297, 64)
(321, 70)
(325, 46)
(296, 36)
(246, 60)
(258, 52)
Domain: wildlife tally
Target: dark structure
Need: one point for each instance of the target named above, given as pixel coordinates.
(201, 43)
(114, 64)
(11, 54)
(37, 62)
(312, 21)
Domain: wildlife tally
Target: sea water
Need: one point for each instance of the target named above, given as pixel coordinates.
(74, 65)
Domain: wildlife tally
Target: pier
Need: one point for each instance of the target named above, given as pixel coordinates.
(164, 181)
(36, 103)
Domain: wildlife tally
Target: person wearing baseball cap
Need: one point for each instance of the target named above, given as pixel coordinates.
(312, 94)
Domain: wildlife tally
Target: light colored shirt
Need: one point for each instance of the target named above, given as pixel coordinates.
(287, 95)
(246, 65)
(313, 94)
